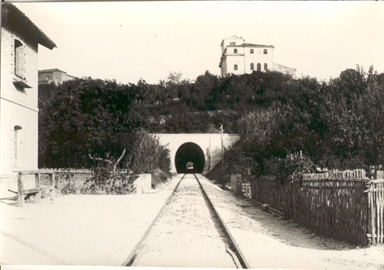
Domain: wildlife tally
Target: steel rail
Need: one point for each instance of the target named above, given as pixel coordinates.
(133, 255)
(233, 245)
(267, 208)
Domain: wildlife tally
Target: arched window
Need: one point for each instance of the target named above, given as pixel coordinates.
(16, 142)
(252, 66)
(258, 67)
(18, 58)
(265, 66)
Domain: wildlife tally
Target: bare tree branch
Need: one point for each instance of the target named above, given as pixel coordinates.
(99, 159)
(118, 160)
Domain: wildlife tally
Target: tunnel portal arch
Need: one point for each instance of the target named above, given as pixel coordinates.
(189, 152)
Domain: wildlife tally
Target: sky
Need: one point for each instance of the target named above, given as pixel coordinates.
(129, 41)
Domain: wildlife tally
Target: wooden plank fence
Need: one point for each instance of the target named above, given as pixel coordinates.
(343, 205)
(276, 193)
(376, 211)
(332, 208)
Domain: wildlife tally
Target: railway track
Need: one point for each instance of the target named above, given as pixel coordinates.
(187, 232)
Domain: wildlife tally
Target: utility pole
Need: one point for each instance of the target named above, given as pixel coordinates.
(222, 146)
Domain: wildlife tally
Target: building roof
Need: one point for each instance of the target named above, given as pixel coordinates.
(51, 70)
(252, 45)
(236, 37)
(283, 67)
(13, 18)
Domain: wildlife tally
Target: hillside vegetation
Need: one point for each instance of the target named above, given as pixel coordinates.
(336, 124)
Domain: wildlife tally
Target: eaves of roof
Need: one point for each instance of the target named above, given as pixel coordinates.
(252, 45)
(233, 36)
(51, 70)
(13, 18)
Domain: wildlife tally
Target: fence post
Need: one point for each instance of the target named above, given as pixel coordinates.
(20, 190)
(293, 200)
(372, 215)
(52, 184)
(37, 185)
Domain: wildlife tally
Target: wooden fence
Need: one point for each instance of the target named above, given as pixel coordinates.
(343, 205)
(274, 192)
(376, 211)
(333, 208)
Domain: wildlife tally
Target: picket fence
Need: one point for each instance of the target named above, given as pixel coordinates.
(343, 205)
(375, 190)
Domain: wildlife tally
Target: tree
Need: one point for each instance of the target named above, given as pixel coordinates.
(89, 115)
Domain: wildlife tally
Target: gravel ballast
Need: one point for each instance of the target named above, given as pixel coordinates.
(186, 234)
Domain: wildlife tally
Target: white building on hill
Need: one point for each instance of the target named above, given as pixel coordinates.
(54, 75)
(238, 57)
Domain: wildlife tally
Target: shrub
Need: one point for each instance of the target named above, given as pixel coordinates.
(106, 181)
(292, 166)
(147, 154)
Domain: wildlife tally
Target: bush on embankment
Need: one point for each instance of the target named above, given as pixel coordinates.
(107, 177)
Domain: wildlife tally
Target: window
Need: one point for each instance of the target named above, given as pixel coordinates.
(265, 51)
(265, 66)
(252, 66)
(258, 67)
(251, 51)
(232, 43)
(235, 50)
(235, 67)
(18, 57)
(16, 143)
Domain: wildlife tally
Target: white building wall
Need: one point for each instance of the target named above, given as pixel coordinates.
(231, 61)
(18, 108)
(243, 57)
(226, 42)
(258, 57)
(26, 143)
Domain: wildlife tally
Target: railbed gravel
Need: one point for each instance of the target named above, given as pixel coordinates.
(186, 234)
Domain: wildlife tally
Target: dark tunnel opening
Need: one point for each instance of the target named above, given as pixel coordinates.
(189, 152)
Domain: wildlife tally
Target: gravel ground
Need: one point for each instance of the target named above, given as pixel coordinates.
(78, 229)
(103, 230)
(268, 242)
(186, 234)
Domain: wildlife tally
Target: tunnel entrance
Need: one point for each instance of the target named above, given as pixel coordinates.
(189, 152)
